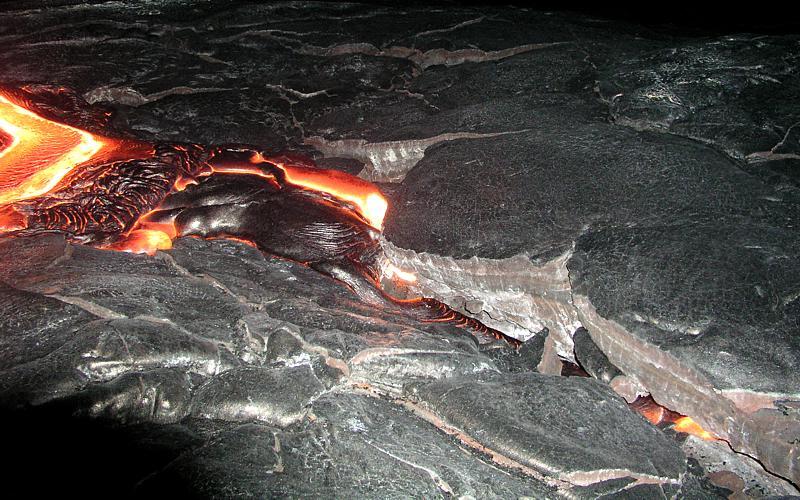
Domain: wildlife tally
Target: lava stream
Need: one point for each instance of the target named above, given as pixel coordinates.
(364, 196)
(658, 415)
(41, 152)
(36, 154)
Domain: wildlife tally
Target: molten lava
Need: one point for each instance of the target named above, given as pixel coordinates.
(40, 154)
(658, 415)
(367, 199)
(37, 154)
(689, 426)
(357, 195)
(144, 241)
(364, 196)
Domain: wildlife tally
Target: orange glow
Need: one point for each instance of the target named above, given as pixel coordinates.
(41, 152)
(144, 241)
(167, 228)
(37, 155)
(655, 414)
(183, 182)
(393, 271)
(11, 220)
(658, 415)
(147, 237)
(689, 426)
(364, 195)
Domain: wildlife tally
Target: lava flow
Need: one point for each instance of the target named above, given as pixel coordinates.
(364, 196)
(658, 415)
(39, 157)
(37, 154)
(126, 195)
(40, 154)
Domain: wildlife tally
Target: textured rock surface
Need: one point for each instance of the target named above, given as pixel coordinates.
(355, 445)
(281, 372)
(276, 396)
(280, 378)
(545, 172)
(498, 410)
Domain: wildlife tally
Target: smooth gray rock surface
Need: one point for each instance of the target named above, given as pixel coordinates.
(277, 396)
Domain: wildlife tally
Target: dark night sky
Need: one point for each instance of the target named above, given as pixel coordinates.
(689, 17)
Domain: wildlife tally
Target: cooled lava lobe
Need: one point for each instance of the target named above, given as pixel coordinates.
(283, 220)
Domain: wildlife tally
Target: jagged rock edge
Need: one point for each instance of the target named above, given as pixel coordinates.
(720, 415)
(389, 161)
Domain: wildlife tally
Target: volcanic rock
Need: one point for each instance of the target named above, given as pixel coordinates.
(354, 445)
(592, 359)
(545, 171)
(544, 423)
(276, 396)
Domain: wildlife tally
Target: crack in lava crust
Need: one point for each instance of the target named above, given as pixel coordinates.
(122, 194)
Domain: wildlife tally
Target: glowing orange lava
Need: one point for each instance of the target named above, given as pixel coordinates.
(657, 415)
(40, 154)
(364, 195)
(689, 426)
(144, 241)
(147, 237)
(11, 220)
(36, 154)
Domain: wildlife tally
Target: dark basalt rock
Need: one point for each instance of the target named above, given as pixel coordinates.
(741, 336)
(160, 396)
(525, 359)
(473, 97)
(536, 192)
(131, 371)
(34, 326)
(277, 396)
(237, 462)
(574, 428)
(734, 92)
(354, 445)
(591, 358)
